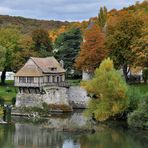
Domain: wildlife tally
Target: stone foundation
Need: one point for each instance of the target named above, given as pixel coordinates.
(73, 96)
(78, 97)
(29, 100)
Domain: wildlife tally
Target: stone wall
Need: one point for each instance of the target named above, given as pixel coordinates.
(29, 100)
(86, 75)
(74, 96)
(56, 95)
(78, 97)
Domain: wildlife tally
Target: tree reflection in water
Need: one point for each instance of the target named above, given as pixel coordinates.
(115, 138)
(37, 135)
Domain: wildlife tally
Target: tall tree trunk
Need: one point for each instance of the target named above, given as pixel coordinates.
(126, 71)
(3, 76)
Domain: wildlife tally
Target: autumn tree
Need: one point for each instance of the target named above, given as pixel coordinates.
(120, 39)
(92, 50)
(110, 91)
(140, 49)
(102, 17)
(67, 46)
(9, 37)
(53, 34)
(42, 42)
(26, 50)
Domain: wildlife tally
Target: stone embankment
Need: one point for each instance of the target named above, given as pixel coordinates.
(75, 97)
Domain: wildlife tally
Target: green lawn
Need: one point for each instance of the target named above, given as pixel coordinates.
(8, 91)
(142, 87)
(74, 82)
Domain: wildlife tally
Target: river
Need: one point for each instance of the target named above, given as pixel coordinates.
(66, 131)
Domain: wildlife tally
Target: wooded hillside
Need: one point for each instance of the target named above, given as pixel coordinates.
(27, 25)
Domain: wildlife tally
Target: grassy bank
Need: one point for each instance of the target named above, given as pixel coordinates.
(8, 91)
(142, 87)
(74, 82)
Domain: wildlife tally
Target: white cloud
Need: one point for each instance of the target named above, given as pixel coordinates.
(59, 9)
(5, 10)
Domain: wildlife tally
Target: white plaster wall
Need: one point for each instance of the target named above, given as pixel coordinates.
(9, 75)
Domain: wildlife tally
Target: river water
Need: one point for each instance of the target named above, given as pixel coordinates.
(69, 131)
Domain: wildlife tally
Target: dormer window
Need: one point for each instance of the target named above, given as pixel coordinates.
(53, 68)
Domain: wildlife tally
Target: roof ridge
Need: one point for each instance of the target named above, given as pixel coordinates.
(36, 64)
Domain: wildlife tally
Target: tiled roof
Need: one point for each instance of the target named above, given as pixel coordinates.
(40, 66)
(28, 70)
(46, 64)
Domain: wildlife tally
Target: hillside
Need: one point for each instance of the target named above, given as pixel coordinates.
(27, 24)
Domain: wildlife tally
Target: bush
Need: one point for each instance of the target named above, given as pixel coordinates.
(31, 110)
(62, 107)
(13, 101)
(8, 89)
(139, 118)
(110, 91)
(145, 75)
(2, 101)
(134, 96)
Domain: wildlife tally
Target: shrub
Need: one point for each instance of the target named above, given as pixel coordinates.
(145, 75)
(134, 96)
(31, 110)
(62, 107)
(2, 101)
(8, 89)
(13, 101)
(110, 90)
(139, 118)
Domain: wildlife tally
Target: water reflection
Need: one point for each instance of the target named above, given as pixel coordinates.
(114, 138)
(29, 135)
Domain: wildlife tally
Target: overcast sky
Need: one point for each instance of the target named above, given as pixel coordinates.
(70, 10)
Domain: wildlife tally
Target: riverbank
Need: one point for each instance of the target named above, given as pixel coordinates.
(8, 91)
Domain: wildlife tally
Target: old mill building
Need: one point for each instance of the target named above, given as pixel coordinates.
(40, 72)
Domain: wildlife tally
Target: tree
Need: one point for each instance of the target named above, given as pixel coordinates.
(2, 55)
(26, 50)
(102, 17)
(120, 39)
(67, 46)
(140, 49)
(110, 91)
(9, 37)
(92, 50)
(42, 42)
(145, 75)
(53, 34)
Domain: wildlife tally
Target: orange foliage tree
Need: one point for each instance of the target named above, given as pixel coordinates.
(53, 34)
(92, 50)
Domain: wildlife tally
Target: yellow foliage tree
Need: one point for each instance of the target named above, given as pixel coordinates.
(110, 91)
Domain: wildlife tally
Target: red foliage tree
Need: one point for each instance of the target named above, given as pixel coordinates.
(92, 50)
